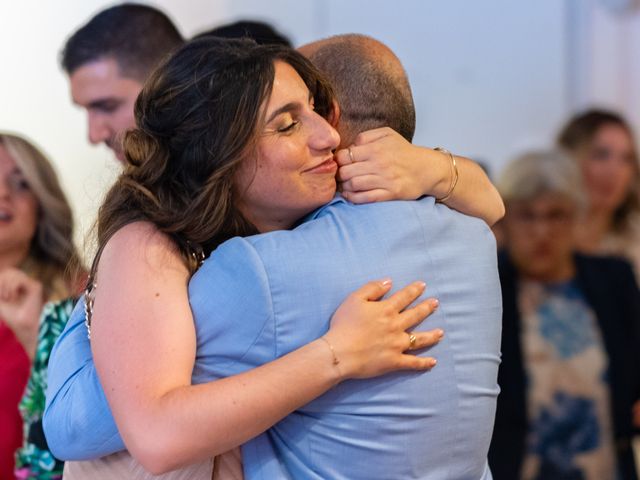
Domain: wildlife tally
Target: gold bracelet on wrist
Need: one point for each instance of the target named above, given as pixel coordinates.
(336, 360)
(454, 173)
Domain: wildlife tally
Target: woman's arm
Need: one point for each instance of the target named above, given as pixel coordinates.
(385, 166)
(143, 340)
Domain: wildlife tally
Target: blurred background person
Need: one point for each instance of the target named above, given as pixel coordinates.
(603, 145)
(108, 60)
(262, 32)
(569, 375)
(38, 263)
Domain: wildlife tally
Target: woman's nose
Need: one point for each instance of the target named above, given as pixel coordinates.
(324, 136)
(5, 188)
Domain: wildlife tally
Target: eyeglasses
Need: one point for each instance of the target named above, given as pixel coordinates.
(554, 218)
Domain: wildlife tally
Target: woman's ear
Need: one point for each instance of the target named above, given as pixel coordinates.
(334, 115)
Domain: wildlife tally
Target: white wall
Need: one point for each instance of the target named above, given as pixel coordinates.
(608, 72)
(490, 77)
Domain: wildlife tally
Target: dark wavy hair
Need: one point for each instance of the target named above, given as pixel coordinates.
(262, 32)
(199, 116)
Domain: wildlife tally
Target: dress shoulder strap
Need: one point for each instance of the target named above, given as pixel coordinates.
(89, 296)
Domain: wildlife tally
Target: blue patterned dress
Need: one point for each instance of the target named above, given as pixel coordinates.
(570, 432)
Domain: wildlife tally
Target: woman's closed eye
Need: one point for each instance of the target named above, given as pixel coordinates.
(289, 127)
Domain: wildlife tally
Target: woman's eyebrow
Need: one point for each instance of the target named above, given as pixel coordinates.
(289, 107)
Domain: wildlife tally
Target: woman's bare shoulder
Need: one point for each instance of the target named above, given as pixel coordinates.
(141, 244)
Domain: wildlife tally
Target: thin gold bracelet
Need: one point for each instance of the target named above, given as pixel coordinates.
(336, 360)
(455, 175)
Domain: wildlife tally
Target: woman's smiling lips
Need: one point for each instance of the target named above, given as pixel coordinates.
(328, 166)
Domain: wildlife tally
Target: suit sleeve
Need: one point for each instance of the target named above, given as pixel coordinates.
(77, 421)
(231, 301)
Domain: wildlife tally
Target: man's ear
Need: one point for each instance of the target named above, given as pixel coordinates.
(334, 116)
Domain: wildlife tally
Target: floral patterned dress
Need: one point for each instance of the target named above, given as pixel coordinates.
(34, 460)
(570, 429)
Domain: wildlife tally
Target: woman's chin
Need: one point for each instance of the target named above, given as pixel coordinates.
(331, 192)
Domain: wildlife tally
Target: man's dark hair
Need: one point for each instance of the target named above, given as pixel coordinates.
(260, 32)
(136, 36)
(370, 84)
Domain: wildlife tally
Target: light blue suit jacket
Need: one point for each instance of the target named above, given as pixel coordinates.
(258, 298)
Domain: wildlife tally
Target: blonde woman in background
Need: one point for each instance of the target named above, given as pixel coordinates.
(603, 144)
(38, 264)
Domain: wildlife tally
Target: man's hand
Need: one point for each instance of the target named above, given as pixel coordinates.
(21, 302)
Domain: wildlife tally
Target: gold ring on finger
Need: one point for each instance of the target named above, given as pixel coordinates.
(412, 341)
(351, 155)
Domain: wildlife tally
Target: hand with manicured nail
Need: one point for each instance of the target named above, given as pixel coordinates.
(369, 336)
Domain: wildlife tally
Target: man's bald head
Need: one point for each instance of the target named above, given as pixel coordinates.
(370, 83)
